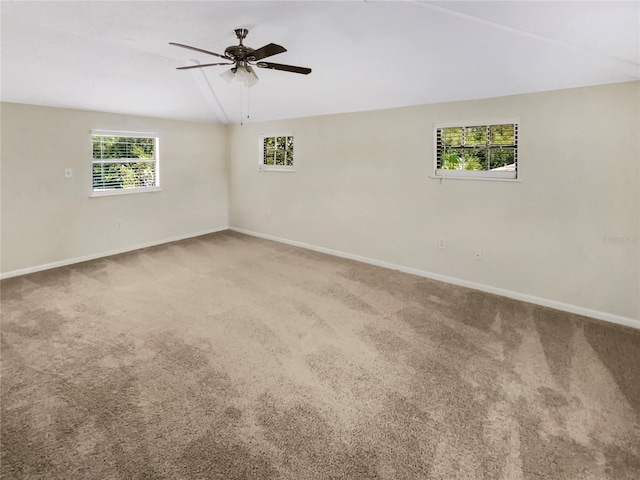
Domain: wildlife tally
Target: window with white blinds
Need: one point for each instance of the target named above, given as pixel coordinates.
(477, 151)
(124, 162)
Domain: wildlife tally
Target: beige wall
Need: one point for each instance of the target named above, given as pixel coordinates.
(362, 187)
(47, 218)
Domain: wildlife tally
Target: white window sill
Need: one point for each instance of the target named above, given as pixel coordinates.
(493, 176)
(123, 191)
(265, 168)
(446, 177)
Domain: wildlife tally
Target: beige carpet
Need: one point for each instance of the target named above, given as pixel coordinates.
(230, 357)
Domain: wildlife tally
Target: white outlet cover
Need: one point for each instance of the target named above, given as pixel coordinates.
(68, 173)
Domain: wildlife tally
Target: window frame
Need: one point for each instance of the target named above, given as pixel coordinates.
(261, 158)
(129, 134)
(508, 176)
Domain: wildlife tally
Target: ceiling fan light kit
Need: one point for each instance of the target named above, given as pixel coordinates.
(243, 59)
(243, 73)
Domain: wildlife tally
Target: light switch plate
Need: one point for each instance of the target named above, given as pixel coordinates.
(68, 173)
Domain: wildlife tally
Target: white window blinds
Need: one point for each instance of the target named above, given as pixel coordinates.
(489, 151)
(124, 160)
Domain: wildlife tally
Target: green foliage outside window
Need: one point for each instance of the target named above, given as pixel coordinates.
(484, 147)
(126, 170)
(278, 151)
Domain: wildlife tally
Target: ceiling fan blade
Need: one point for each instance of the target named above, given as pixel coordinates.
(267, 51)
(199, 50)
(284, 68)
(204, 65)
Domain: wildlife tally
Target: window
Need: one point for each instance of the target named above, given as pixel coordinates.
(276, 152)
(124, 162)
(477, 151)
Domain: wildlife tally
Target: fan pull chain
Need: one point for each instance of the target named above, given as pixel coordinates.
(248, 105)
(244, 92)
(241, 102)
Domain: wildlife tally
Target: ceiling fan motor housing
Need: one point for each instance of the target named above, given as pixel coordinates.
(239, 53)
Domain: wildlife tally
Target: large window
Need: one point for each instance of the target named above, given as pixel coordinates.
(124, 162)
(276, 152)
(477, 151)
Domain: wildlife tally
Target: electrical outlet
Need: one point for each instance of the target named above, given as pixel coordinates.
(478, 254)
(442, 244)
(68, 173)
(118, 223)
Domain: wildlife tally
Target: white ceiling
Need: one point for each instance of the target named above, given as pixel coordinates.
(114, 56)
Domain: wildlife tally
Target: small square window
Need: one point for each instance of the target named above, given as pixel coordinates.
(276, 153)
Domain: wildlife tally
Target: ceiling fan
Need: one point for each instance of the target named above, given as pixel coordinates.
(242, 58)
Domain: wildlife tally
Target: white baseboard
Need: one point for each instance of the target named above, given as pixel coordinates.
(608, 317)
(70, 261)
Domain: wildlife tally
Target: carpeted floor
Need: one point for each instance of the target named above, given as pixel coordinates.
(230, 357)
